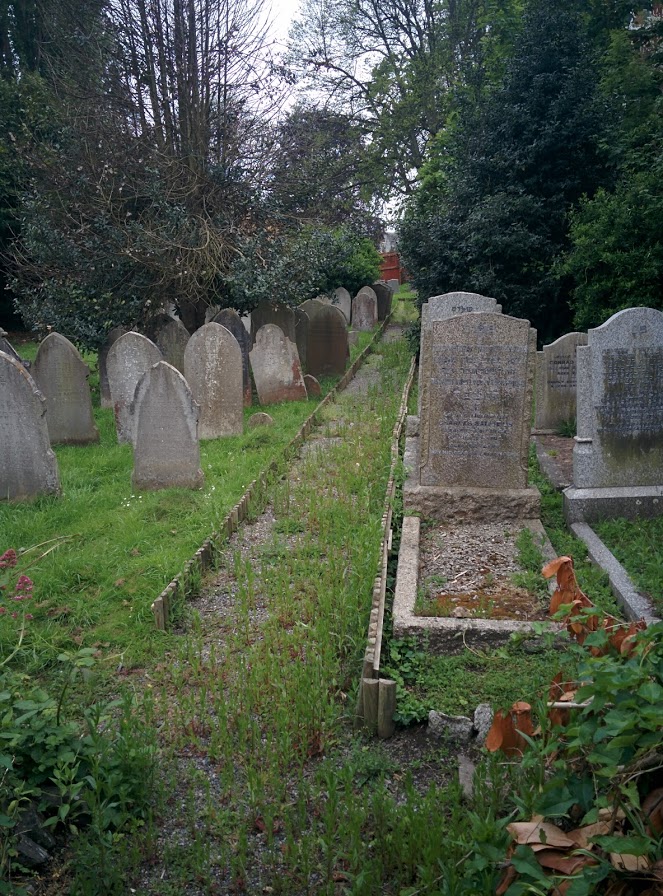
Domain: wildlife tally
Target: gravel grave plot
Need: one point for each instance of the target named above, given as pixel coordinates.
(467, 571)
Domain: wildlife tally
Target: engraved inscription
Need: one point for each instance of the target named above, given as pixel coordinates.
(632, 400)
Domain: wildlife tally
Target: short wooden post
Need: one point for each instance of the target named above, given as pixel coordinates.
(386, 707)
(371, 697)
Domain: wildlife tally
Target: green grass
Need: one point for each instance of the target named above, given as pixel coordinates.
(638, 545)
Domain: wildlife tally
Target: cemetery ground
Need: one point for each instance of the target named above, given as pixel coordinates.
(221, 757)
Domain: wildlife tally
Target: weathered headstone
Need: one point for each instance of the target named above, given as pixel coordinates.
(231, 320)
(104, 388)
(474, 427)
(171, 338)
(128, 359)
(276, 368)
(61, 376)
(166, 449)
(213, 370)
(273, 313)
(364, 310)
(28, 467)
(344, 302)
(260, 418)
(619, 442)
(312, 386)
(327, 348)
(556, 381)
(384, 295)
(394, 285)
(441, 307)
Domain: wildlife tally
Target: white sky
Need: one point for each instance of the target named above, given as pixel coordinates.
(283, 12)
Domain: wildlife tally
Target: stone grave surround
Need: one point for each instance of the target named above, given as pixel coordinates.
(276, 368)
(231, 320)
(364, 310)
(166, 448)
(213, 370)
(556, 382)
(467, 453)
(128, 359)
(441, 307)
(618, 453)
(28, 466)
(62, 377)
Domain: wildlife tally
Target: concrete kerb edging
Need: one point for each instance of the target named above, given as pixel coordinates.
(634, 605)
(186, 581)
(376, 701)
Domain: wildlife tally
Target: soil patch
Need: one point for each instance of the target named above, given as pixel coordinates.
(468, 571)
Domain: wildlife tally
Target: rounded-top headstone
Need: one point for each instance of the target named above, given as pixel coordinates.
(104, 388)
(166, 448)
(170, 336)
(273, 313)
(128, 359)
(28, 467)
(213, 370)
(62, 377)
(276, 368)
(364, 310)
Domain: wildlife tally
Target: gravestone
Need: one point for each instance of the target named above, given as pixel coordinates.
(384, 296)
(62, 378)
(231, 320)
(556, 382)
(618, 455)
(312, 386)
(364, 310)
(171, 338)
(128, 359)
(394, 285)
(213, 370)
(441, 307)
(104, 388)
(327, 349)
(28, 467)
(166, 448)
(273, 313)
(276, 368)
(302, 323)
(470, 458)
(343, 301)
(364, 291)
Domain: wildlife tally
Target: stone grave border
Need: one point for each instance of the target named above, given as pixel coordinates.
(376, 701)
(187, 581)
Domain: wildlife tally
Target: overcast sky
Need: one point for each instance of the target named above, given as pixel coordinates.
(283, 12)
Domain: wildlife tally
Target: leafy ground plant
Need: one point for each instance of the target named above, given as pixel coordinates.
(592, 823)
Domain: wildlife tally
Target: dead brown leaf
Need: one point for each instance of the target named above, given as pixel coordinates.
(539, 832)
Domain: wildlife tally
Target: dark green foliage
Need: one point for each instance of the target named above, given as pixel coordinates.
(509, 172)
(322, 172)
(301, 264)
(616, 256)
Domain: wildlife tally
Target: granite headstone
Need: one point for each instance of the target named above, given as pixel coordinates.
(556, 382)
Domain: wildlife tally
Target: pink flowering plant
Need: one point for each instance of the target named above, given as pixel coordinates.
(15, 593)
